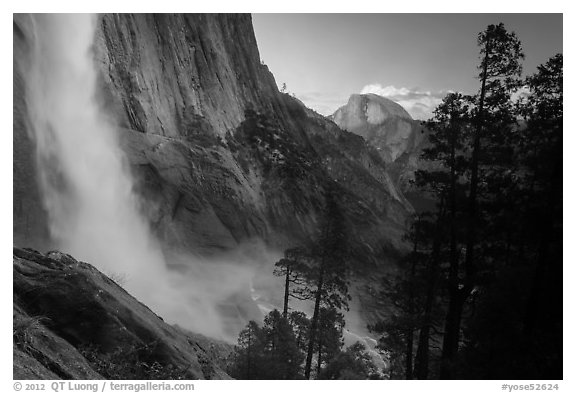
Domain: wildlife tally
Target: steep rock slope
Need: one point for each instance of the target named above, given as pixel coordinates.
(29, 218)
(73, 322)
(390, 129)
(221, 155)
(382, 122)
(182, 75)
(189, 94)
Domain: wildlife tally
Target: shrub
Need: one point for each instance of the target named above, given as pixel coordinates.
(24, 329)
(130, 363)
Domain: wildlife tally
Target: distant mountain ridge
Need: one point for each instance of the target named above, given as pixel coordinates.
(382, 122)
(390, 129)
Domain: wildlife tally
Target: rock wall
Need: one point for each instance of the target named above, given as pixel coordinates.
(220, 156)
(391, 130)
(382, 122)
(29, 217)
(182, 75)
(181, 87)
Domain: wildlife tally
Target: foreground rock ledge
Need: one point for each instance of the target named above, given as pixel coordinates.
(72, 322)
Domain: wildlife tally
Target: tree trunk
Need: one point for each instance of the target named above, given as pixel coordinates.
(534, 305)
(421, 364)
(286, 292)
(319, 366)
(473, 195)
(248, 352)
(451, 340)
(458, 296)
(314, 325)
(421, 361)
(454, 262)
(410, 330)
(409, 349)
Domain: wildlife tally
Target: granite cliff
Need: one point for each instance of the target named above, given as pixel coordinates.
(210, 139)
(389, 128)
(382, 122)
(220, 157)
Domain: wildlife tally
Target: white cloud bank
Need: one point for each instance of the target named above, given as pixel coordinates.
(322, 102)
(419, 104)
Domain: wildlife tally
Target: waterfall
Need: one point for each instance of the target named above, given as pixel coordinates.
(88, 191)
(85, 180)
(86, 184)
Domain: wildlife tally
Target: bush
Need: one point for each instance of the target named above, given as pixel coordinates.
(353, 363)
(130, 363)
(24, 329)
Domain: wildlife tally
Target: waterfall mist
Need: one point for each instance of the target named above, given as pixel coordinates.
(88, 190)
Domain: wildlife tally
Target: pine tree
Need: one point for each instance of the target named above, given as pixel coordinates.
(282, 355)
(294, 267)
(449, 130)
(443, 180)
(541, 152)
(500, 68)
(516, 330)
(407, 293)
(300, 324)
(248, 362)
(330, 328)
(272, 351)
(353, 363)
(329, 276)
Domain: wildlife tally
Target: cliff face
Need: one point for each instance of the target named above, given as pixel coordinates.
(391, 130)
(191, 98)
(219, 155)
(382, 122)
(182, 75)
(29, 217)
(211, 139)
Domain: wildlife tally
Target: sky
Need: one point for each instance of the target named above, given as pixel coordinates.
(413, 59)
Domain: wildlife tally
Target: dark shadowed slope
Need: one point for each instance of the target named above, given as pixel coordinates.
(73, 322)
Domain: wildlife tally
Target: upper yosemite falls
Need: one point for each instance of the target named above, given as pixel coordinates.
(177, 215)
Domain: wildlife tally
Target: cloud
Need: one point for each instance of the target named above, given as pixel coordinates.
(387, 91)
(420, 104)
(323, 103)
